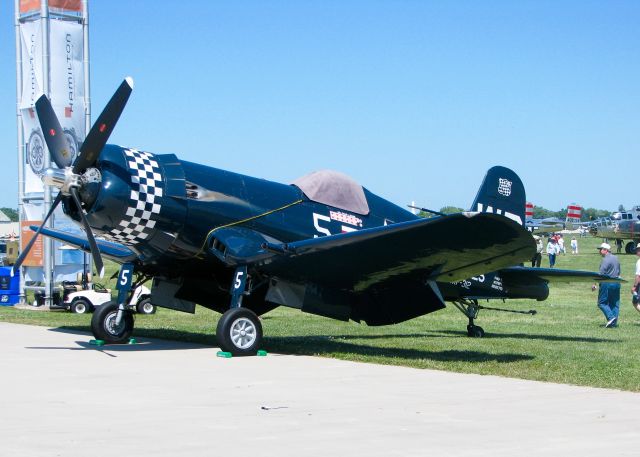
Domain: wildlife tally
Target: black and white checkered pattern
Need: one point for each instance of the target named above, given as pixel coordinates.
(146, 196)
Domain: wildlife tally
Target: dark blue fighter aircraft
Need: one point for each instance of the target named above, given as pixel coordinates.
(243, 246)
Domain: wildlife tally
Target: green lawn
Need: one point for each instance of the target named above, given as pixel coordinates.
(565, 342)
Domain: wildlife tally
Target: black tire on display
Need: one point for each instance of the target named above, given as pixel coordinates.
(239, 332)
(103, 324)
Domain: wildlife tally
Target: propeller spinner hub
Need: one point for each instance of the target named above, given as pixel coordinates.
(62, 179)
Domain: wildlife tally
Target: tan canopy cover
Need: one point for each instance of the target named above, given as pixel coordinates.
(334, 189)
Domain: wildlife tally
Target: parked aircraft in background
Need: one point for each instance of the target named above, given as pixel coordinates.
(243, 246)
(624, 226)
(553, 224)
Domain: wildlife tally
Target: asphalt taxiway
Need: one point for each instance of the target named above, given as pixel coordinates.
(62, 396)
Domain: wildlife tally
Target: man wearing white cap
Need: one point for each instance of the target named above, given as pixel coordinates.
(609, 293)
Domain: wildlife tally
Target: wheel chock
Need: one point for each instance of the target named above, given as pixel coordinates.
(261, 353)
(226, 355)
(133, 341)
(97, 342)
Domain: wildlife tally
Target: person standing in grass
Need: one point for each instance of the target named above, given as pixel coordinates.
(552, 250)
(537, 257)
(609, 293)
(635, 290)
(574, 245)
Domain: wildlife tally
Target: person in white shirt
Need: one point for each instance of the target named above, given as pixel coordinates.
(574, 245)
(552, 250)
(561, 249)
(635, 290)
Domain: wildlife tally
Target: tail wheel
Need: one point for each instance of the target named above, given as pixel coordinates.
(105, 327)
(239, 332)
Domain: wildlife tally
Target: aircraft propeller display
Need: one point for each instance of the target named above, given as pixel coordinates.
(243, 246)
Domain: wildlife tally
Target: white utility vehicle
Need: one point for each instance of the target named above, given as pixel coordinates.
(79, 300)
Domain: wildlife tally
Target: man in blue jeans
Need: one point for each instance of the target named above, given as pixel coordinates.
(609, 293)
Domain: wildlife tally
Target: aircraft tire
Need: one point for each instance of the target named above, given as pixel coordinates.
(145, 306)
(81, 306)
(475, 331)
(239, 332)
(630, 247)
(103, 324)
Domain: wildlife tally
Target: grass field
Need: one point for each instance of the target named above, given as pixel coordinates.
(566, 342)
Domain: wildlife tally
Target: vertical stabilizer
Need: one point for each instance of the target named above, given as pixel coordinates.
(501, 192)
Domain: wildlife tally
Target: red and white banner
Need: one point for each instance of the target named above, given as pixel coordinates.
(574, 212)
(528, 210)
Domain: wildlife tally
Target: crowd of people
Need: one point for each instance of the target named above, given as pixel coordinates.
(555, 246)
(608, 292)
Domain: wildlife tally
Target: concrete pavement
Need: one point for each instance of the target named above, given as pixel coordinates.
(61, 396)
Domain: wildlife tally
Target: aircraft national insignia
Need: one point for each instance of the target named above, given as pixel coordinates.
(346, 218)
(504, 187)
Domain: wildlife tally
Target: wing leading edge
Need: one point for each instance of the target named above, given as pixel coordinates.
(115, 251)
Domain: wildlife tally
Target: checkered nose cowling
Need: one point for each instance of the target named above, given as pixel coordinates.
(144, 202)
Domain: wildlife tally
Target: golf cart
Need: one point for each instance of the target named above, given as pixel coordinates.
(81, 299)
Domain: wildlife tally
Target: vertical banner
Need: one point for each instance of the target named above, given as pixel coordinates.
(35, 256)
(66, 92)
(54, 63)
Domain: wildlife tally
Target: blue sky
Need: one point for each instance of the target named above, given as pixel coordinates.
(414, 99)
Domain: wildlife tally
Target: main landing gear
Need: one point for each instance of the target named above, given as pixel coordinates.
(471, 308)
(112, 322)
(239, 329)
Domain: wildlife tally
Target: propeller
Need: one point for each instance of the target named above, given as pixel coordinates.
(68, 179)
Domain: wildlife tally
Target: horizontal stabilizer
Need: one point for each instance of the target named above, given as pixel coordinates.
(557, 275)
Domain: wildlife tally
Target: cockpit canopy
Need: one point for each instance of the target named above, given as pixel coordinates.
(334, 189)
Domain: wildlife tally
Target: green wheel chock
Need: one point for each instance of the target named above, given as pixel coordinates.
(226, 355)
(261, 353)
(133, 341)
(97, 342)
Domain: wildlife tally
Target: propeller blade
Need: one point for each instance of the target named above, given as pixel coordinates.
(102, 128)
(95, 252)
(25, 251)
(53, 133)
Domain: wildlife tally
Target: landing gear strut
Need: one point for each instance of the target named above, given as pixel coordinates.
(470, 308)
(239, 329)
(113, 321)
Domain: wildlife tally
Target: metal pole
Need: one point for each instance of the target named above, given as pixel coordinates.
(48, 263)
(19, 77)
(87, 99)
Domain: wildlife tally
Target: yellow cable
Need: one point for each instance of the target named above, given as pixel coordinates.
(243, 221)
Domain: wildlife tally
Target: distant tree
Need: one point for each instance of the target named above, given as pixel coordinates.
(11, 213)
(589, 214)
(621, 208)
(444, 209)
(451, 210)
(540, 213)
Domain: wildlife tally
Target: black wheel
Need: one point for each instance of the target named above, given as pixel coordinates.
(475, 331)
(630, 247)
(239, 332)
(145, 306)
(81, 306)
(103, 324)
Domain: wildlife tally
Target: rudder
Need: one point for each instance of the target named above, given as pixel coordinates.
(501, 192)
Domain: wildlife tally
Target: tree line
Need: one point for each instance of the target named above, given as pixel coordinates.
(588, 214)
